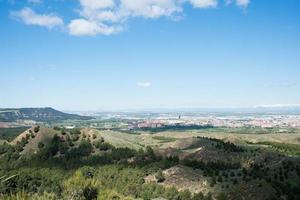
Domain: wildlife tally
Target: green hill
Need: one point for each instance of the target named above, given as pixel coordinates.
(37, 114)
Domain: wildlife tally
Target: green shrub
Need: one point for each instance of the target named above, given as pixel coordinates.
(41, 145)
(160, 176)
(36, 129)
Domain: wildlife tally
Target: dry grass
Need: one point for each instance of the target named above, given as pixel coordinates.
(289, 138)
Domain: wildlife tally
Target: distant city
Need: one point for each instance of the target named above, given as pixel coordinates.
(162, 120)
(264, 117)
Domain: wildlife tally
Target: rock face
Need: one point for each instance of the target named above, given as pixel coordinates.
(37, 114)
(182, 178)
(150, 179)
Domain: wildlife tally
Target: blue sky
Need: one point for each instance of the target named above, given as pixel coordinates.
(108, 54)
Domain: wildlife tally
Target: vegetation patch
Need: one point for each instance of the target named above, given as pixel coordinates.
(163, 139)
(9, 134)
(290, 149)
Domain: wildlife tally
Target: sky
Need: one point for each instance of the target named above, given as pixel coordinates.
(143, 54)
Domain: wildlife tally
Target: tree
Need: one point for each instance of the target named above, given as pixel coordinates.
(232, 174)
(75, 131)
(27, 136)
(213, 182)
(63, 132)
(220, 179)
(56, 128)
(75, 137)
(36, 129)
(150, 153)
(84, 149)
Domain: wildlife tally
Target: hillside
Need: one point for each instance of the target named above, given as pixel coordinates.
(37, 114)
(118, 165)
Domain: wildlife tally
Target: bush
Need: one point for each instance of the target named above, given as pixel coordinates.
(232, 174)
(63, 132)
(220, 179)
(221, 196)
(160, 176)
(75, 131)
(103, 146)
(56, 128)
(27, 136)
(84, 149)
(5, 147)
(75, 138)
(41, 145)
(36, 129)
(90, 193)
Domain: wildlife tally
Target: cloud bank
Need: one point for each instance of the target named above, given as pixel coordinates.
(29, 17)
(108, 17)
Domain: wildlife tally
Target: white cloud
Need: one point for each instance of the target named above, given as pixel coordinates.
(204, 3)
(103, 16)
(107, 17)
(150, 8)
(80, 27)
(34, 1)
(144, 84)
(29, 17)
(242, 3)
(96, 4)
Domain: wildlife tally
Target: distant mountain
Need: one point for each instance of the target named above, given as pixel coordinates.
(37, 114)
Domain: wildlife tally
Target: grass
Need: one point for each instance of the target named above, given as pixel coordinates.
(237, 138)
(120, 139)
(163, 139)
(291, 149)
(166, 139)
(253, 130)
